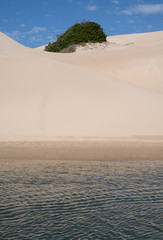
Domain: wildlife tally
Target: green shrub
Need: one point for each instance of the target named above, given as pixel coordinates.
(77, 34)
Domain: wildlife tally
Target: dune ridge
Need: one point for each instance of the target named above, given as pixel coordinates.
(112, 92)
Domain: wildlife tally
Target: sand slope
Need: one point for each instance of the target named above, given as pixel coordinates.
(135, 58)
(45, 95)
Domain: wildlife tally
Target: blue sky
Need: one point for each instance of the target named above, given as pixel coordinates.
(36, 22)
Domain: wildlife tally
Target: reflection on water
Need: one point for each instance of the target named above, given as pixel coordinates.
(80, 200)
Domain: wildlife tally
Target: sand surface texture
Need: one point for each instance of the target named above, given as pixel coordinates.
(116, 89)
(129, 148)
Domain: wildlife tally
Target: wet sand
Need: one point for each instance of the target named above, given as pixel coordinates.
(138, 148)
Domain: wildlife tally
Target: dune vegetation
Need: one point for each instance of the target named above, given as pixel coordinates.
(80, 33)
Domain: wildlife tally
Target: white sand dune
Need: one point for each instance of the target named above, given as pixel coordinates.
(116, 91)
(135, 58)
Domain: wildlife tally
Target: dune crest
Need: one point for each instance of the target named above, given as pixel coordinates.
(106, 93)
(8, 45)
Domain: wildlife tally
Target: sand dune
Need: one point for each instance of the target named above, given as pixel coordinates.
(116, 91)
(8, 45)
(135, 58)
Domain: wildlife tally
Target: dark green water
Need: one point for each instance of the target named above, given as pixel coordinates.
(81, 200)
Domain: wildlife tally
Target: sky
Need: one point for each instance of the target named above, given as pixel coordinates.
(35, 23)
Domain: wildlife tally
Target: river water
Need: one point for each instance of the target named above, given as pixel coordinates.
(81, 199)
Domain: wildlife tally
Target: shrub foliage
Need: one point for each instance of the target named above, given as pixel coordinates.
(79, 33)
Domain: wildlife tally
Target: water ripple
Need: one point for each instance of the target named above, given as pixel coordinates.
(81, 200)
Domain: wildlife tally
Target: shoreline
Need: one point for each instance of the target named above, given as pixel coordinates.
(124, 148)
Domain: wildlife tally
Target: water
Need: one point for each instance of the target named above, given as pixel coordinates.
(81, 200)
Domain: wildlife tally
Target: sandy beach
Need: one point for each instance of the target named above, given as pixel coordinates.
(84, 105)
(136, 148)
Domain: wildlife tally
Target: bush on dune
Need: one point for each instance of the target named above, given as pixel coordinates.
(79, 33)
